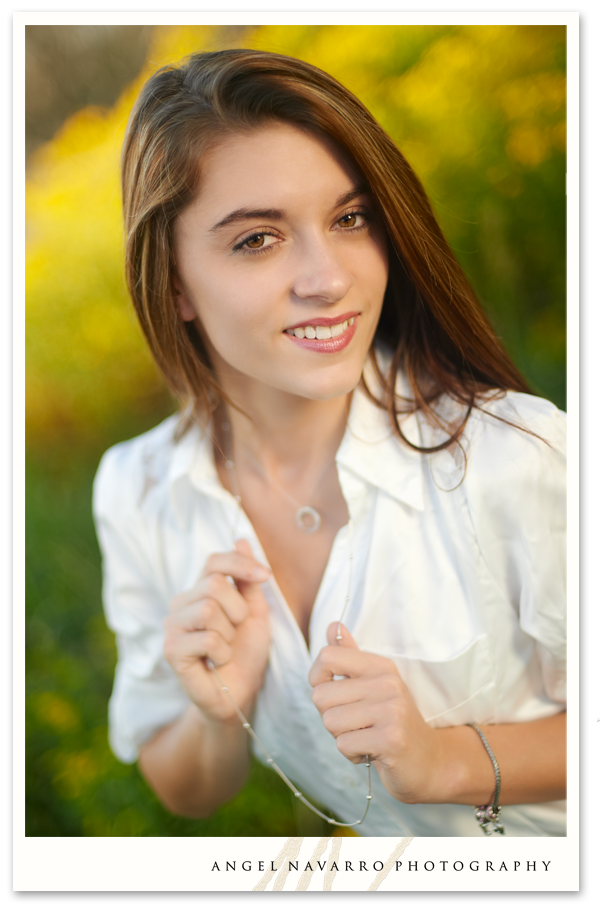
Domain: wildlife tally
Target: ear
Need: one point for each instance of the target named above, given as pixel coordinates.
(184, 304)
(186, 308)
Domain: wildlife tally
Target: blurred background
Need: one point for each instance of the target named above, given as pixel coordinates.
(479, 111)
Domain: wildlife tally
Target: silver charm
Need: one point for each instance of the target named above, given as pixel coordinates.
(308, 519)
(489, 815)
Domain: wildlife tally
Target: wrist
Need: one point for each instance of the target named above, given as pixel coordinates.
(463, 774)
(226, 733)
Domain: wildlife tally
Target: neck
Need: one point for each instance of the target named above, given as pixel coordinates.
(286, 434)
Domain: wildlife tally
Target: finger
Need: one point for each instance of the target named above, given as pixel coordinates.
(243, 546)
(341, 637)
(204, 615)
(213, 587)
(240, 566)
(359, 744)
(334, 661)
(347, 718)
(184, 651)
(372, 690)
(252, 590)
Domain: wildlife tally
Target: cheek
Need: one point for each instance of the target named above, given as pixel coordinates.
(248, 304)
(220, 304)
(234, 321)
(381, 266)
(373, 268)
(375, 281)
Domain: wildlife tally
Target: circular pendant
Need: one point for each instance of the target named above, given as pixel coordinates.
(308, 519)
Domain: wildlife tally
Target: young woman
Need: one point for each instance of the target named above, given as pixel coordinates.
(354, 444)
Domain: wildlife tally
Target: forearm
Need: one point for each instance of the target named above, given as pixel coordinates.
(194, 766)
(531, 757)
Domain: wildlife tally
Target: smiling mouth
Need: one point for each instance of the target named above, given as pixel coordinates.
(321, 332)
(324, 336)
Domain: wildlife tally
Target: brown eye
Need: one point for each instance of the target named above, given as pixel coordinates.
(261, 242)
(349, 220)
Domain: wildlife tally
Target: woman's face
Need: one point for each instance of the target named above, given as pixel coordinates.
(283, 264)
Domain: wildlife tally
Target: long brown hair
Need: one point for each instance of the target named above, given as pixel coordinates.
(431, 319)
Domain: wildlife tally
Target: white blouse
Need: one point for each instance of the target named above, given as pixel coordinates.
(461, 584)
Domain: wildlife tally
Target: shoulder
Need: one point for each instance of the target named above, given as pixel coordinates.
(515, 448)
(514, 420)
(514, 435)
(128, 469)
(507, 435)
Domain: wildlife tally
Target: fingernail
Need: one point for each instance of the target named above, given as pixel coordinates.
(259, 573)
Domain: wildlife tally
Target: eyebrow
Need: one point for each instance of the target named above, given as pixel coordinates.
(245, 214)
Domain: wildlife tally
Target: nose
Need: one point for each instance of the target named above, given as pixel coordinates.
(322, 274)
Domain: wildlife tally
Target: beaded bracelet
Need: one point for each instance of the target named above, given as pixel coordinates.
(489, 815)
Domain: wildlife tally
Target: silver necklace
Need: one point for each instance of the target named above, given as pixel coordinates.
(229, 464)
(308, 518)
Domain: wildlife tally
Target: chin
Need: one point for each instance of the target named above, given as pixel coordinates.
(330, 384)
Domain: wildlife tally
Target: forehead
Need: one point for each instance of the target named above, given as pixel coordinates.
(278, 160)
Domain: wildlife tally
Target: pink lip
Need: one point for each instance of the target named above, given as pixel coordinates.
(325, 345)
(321, 320)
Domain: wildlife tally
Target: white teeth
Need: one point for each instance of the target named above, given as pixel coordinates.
(322, 332)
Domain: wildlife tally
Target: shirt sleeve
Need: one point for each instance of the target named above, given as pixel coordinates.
(516, 486)
(146, 694)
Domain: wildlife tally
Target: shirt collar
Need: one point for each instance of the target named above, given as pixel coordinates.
(193, 458)
(370, 450)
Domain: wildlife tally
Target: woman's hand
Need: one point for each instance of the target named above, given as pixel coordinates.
(371, 712)
(226, 624)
